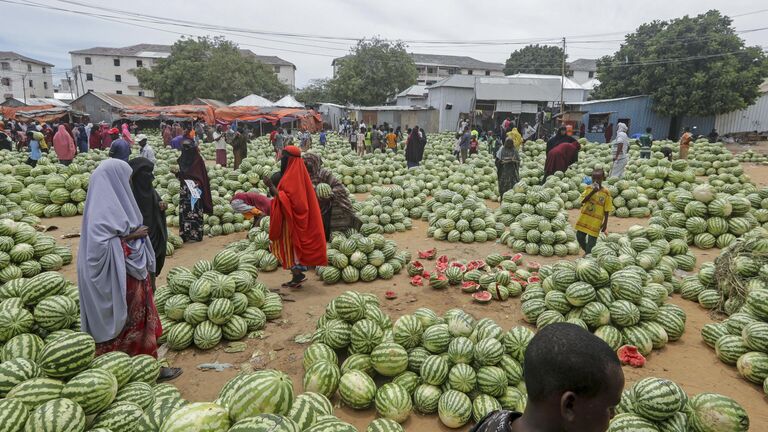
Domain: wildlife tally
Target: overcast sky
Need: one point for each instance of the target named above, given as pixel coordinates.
(47, 34)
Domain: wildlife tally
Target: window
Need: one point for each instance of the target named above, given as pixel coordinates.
(591, 74)
(430, 70)
(29, 67)
(118, 91)
(430, 82)
(118, 78)
(5, 66)
(139, 63)
(43, 69)
(31, 84)
(5, 82)
(87, 60)
(470, 72)
(141, 93)
(116, 62)
(452, 71)
(89, 77)
(487, 73)
(277, 69)
(45, 85)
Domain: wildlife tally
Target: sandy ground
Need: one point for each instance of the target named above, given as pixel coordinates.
(689, 362)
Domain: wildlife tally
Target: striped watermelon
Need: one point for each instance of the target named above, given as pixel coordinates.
(436, 338)
(36, 391)
(729, 348)
(319, 352)
(350, 306)
(627, 422)
(43, 285)
(196, 313)
(138, 392)
(389, 359)
(461, 350)
(144, 368)
(407, 331)
(512, 368)
(207, 335)
(307, 408)
(119, 417)
(516, 341)
(266, 391)
(92, 389)
(409, 380)
(226, 261)
(755, 336)
(454, 409)
(267, 422)
(25, 345)
(235, 329)
(273, 306)
(365, 336)
(658, 399)
(753, 366)
(357, 389)
(153, 418)
(672, 318)
(56, 312)
(180, 336)
(434, 370)
(360, 362)
(220, 311)
(13, 415)
(462, 377)
(322, 377)
(15, 321)
(426, 398)
(384, 425)
(488, 352)
(713, 331)
(65, 357)
(335, 333)
(624, 313)
(117, 363)
(491, 380)
(484, 405)
(709, 412)
(639, 337)
(199, 416)
(393, 402)
(255, 319)
(58, 415)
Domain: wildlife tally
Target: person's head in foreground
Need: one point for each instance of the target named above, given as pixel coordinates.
(667, 152)
(598, 175)
(142, 140)
(574, 382)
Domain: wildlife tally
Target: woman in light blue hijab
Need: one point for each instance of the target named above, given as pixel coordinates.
(114, 263)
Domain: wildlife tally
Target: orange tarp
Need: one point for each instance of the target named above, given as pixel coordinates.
(9, 113)
(308, 119)
(190, 112)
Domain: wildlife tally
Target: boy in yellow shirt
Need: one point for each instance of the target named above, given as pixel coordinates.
(596, 204)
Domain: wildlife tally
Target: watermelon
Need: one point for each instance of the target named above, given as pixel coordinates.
(13, 414)
(357, 389)
(753, 366)
(461, 350)
(318, 352)
(199, 416)
(119, 417)
(58, 415)
(117, 363)
(384, 425)
(267, 391)
(709, 412)
(434, 370)
(389, 359)
(65, 357)
(92, 389)
(462, 377)
(627, 422)
(25, 345)
(322, 377)
(729, 348)
(657, 399)
(454, 409)
(426, 398)
(393, 402)
(56, 312)
(484, 405)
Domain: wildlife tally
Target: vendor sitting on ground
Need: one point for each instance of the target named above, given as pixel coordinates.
(337, 211)
(252, 205)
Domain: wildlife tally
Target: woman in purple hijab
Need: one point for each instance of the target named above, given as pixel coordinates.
(113, 267)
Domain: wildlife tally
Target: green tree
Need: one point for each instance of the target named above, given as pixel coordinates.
(212, 68)
(373, 72)
(689, 66)
(535, 59)
(317, 91)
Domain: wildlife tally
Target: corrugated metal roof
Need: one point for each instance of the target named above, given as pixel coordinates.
(592, 102)
(253, 100)
(446, 60)
(390, 108)
(587, 65)
(414, 90)
(461, 81)
(120, 101)
(10, 55)
(568, 84)
(30, 101)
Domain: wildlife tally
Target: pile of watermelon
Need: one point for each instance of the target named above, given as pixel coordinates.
(219, 299)
(477, 176)
(360, 174)
(752, 156)
(257, 246)
(25, 252)
(656, 404)
(453, 365)
(538, 223)
(658, 177)
(610, 295)
(708, 158)
(58, 384)
(354, 257)
(454, 217)
(628, 199)
(568, 188)
(389, 209)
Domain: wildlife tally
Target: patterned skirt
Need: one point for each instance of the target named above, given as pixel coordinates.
(221, 157)
(190, 219)
(142, 328)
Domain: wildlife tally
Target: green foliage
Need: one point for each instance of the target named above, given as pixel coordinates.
(317, 91)
(373, 72)
(720, 74)
(535, 59)
(209, 68)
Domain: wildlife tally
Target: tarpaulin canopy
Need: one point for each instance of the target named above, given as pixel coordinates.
(175, 113)
(308, 119)
(43, 114)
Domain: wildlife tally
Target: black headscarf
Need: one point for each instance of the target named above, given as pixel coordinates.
(148, 201)
(192, 167)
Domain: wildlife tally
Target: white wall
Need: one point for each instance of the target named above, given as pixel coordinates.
(460, 98)
(581, 76)
(103, 71)
(286, 75)
(20, 77)
(441, 72)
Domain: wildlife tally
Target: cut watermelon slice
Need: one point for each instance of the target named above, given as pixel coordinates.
(469, 286)
(482, 297)
(390, 295)
(533, 266)
(417, 281)
(429, 254)
(534, 279)
(628, 355)
(517, 258)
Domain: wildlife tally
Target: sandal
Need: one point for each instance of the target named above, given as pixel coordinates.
(169, 373)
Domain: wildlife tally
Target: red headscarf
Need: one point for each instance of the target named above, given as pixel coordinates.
(296, 225)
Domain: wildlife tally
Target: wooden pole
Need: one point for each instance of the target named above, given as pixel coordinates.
(562, 82)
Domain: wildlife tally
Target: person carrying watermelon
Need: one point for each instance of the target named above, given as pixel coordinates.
(596, 204)
(296, 224)
(337, 211)
(574, 382)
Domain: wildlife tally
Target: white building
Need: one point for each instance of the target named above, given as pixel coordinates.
(583, 70)
(435, 67)
(22, 77)
(110, 70)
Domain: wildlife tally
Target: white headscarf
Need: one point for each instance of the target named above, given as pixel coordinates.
(110, 213)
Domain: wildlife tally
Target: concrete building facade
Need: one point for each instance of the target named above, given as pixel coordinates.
(23, 77)
(111, 70)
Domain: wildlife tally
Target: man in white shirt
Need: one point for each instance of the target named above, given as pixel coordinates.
(528, 132)
(146, 149)
(620, 151)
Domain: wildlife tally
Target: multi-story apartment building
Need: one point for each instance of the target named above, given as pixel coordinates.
(23, 77)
